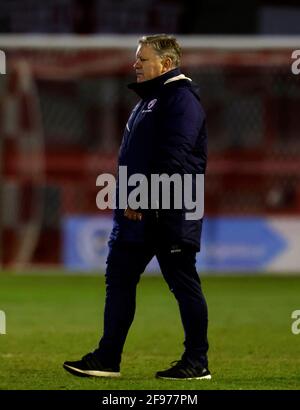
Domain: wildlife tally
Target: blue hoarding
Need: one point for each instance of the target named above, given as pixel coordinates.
(228, 244)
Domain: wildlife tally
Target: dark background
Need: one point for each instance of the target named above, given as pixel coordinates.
(136, 16)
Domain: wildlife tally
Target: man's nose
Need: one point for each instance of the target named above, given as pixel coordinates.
(136, 64)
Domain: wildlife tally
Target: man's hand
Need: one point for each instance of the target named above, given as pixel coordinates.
(133, 215)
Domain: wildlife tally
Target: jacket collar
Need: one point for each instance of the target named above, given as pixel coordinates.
(147, 88)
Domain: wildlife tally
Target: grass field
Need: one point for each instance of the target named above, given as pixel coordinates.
(52, 318)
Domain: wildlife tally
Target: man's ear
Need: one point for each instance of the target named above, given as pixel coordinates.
(167, 64)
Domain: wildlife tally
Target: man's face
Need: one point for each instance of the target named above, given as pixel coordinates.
(148, 63)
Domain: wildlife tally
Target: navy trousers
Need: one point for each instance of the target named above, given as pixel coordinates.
(125, 264)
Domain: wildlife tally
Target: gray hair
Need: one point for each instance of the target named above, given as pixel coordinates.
(165, 46)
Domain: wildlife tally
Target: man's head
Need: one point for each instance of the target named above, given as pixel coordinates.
(156, 55)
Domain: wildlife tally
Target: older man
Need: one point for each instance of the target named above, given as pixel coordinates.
(165, 134)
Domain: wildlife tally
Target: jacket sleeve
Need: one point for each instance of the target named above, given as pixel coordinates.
(181, 118)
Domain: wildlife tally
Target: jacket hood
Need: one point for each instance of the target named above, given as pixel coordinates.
(147, 88)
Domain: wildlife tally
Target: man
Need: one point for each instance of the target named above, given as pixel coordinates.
(165, 134)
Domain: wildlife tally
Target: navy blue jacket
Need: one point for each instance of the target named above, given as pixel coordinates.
(165, 133)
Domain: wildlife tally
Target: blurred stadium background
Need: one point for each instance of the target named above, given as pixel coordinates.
(64, 103)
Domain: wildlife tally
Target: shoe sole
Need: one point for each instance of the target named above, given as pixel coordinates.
(207, 377)
(90, 373)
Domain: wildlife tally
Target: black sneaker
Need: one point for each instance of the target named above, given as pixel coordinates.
(184, 371)
(90, 365)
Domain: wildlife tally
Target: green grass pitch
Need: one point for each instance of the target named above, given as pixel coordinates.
(51, 318)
